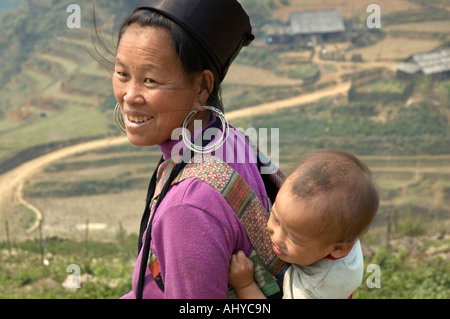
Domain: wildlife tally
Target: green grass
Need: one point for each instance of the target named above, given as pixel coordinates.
(403, 275)
(385, 85)
(109, 266)
(72, 122)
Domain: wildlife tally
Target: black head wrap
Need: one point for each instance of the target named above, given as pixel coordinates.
(221, 26)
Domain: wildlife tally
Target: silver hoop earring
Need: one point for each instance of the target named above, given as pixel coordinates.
(118, 118)
(209, 148)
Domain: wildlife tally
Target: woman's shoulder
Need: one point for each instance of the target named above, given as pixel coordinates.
(197, 197)
(194, 205)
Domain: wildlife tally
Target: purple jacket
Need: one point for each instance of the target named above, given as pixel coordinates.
(195, 232)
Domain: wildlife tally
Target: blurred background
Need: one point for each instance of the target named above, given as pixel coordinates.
(368, 77)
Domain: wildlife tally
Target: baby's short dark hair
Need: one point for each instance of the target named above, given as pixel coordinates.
(339, 187)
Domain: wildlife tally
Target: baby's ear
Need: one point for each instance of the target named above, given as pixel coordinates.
(341, 249)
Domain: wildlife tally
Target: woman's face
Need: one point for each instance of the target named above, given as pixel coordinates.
(151, 86)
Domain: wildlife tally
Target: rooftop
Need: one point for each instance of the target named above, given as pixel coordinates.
(433, 62)
(316, 22)
(428, 63)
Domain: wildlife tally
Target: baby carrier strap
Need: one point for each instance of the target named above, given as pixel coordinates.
(247, 206)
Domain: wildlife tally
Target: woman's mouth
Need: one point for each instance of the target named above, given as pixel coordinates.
(137, 122)
(138, 119)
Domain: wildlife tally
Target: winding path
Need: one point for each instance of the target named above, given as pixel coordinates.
(291, 102)
(11, 182)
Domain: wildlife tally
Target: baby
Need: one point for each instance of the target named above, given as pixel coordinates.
(321, 210)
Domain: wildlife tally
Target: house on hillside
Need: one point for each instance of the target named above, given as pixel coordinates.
(435, 64)
(308, 26)
(326, 24)
(277, 34)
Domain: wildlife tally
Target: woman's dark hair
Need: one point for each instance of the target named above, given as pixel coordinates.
(192, 55)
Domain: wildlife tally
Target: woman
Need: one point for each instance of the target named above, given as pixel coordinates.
(170, 61)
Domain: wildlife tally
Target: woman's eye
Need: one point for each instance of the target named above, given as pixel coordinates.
(122, 74)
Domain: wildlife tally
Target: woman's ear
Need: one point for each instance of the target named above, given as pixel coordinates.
(206, 87)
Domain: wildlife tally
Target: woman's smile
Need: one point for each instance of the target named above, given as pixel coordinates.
(136, 124)
(138, 119)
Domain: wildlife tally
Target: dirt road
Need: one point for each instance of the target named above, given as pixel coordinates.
(12, 181)
(291, 102)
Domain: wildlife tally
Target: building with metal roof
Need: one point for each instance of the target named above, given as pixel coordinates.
(435, 64)
(318, 22)
(307, 26)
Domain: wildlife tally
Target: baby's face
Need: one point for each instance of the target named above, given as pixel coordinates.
(293, 228)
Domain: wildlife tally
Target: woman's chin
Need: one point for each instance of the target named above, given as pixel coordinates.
(139, 140)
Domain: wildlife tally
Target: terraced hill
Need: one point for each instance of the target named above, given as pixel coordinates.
(60, 95)
(54, 90)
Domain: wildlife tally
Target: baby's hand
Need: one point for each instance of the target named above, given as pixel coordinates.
(241, 271)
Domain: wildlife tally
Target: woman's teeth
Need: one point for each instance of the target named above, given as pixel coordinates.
(138, 119)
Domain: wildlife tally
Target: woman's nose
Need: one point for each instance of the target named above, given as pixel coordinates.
(133, 94)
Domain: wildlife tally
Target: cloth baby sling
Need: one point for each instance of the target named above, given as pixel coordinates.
(247, 206)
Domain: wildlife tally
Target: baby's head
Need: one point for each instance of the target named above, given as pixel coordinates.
(325, 204)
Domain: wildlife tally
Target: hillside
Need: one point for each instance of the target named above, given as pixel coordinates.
(45, 68)
(46, 65)
(56, 95)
